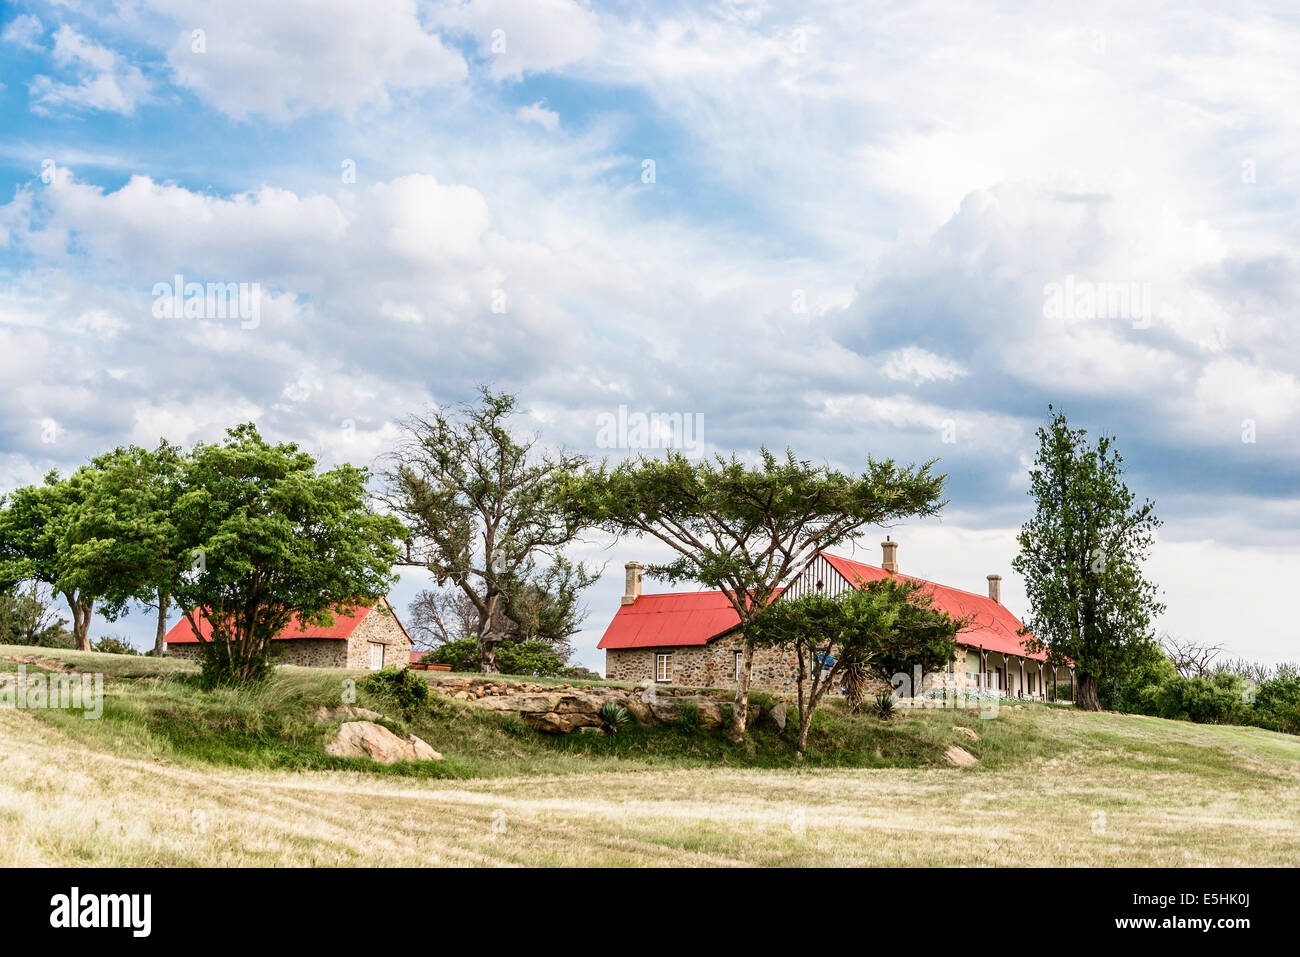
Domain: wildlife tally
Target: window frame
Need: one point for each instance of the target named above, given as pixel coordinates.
(663, 658)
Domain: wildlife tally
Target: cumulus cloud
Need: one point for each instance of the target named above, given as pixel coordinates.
(539, 114)
(102, 79)
(288, 59)
(24, 30)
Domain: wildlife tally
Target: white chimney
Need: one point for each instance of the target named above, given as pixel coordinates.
(632, 588)
(995, 588)
(890, 549)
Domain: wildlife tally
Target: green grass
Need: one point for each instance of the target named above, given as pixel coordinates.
(155, 708)
(173, 775)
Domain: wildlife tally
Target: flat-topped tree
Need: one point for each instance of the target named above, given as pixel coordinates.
(746, 529)
(36, 532)
(269, 539)
(479, 500)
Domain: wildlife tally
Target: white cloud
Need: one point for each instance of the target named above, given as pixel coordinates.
(526, 36)
(24, 30)
(295, 57)
(104, 80)
(539, 114)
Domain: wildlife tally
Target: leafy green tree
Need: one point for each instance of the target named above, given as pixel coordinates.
(746, 529)
(884, 628)
(37, 537)
(479, 501)
(126, 547)
(271, 539)
(1081, 557)
(26, 618)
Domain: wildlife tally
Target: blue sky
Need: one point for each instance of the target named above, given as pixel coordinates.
(915, 176)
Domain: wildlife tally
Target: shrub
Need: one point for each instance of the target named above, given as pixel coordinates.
(614, 716)
(885, 705)
(403, 687)
(688, 717)
(216, 669)
(112, 645)
(535, 658)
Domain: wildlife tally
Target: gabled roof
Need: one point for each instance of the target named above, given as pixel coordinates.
(992, 626)
(660, 621)
(696, 618)
(345, 622)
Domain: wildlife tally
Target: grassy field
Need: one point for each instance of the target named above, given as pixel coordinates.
(174, 776)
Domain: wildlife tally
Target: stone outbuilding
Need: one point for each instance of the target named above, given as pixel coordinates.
(361, 638)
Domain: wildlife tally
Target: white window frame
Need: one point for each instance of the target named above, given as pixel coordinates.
(371, 650)
(740, 663)
(663, 667)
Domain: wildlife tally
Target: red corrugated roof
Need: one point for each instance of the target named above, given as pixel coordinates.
(345, 622)
(660, 621)
(992, 626)
(695, 618)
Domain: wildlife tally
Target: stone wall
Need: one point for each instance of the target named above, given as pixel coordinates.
(714, 666)
(381, 626)
(705, 666)
(307, 652)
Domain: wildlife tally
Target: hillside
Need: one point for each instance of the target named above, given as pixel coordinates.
(171, 776)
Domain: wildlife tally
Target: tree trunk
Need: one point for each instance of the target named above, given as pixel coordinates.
(805, 722)
(80, 621)
(740, 707)
(1087, 693)
(164, 602)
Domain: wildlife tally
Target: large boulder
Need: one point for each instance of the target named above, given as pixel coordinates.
(365, 739)
(344, 711)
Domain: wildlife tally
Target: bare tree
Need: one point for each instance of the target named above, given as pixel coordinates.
(1189, 658)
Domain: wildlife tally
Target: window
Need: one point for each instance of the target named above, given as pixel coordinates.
(664, 667)
(376, 655)
(740, 664)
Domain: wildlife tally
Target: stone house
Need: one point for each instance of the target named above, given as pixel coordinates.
(693, 638)
(363, 637)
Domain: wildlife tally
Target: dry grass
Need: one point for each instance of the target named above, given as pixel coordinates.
(1123, 797)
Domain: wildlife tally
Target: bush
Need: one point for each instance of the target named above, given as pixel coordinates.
(614, 716)
(535, 658)
(408, 692)
(885, 705)
(112, 645)
(215, 669)
(688, 717)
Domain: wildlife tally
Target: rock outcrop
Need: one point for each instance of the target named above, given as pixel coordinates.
(365, 739)
(564, 709)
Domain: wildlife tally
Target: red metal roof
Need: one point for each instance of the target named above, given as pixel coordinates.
(695, 618)
(992, 626)
(345, 622)
(661, 621)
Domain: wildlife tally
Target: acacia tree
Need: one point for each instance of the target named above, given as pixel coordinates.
(880, 629)
(1081, 557)
(270, 540)
(479, 501)
(124, 543)
(746, 529)
(36, 534)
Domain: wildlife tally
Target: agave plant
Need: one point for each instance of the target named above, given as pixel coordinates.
(885, 705)
(614, 716)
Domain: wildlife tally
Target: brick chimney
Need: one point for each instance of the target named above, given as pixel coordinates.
(995, 588)
(890, 564)
(632, 589)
